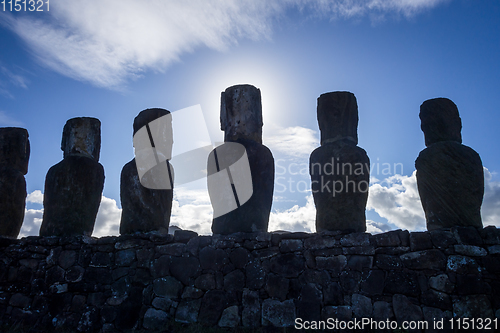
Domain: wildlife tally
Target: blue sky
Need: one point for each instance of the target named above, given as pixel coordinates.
(112, 59)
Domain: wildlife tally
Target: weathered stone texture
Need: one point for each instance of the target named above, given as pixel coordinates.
(241, 121)
(91, 284)
(339, 169)
(73, 187)
(449, 175)
(14, 157)
(146, 209)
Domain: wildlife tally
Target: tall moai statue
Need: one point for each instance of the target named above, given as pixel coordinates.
(73, 187)
(14, 157)
(241, 171)
(449, 175)
(339, 169)
(146, 183)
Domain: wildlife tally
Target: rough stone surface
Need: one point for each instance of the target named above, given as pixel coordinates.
(339, 169)
(247, 280)
(73, 187)
(145, 209)
(449, 175)
(14, 157)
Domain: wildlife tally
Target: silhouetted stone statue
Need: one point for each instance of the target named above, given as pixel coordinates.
(14, 157)
(449, 175)
(146, 209)
(73, 187)
(339, 169)
(241, 171)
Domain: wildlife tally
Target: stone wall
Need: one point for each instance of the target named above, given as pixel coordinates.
(144, 281)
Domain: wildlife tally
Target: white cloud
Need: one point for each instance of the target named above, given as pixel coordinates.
(293, 141)
(31, 223)
(107, 222)
(490, 210)
(398, 202)
(109, 42)
(35, 197)
(296, 218)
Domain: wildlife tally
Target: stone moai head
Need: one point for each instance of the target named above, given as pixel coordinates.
(241, 113)
(82, 137)
(14, 148)
(338, 117)
(440, 121)
(158, 130)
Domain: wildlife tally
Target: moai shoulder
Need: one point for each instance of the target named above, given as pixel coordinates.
(14, 157)
(339, 169)
(450, 175)
(241, 171)
(73, 187)
(146, 198)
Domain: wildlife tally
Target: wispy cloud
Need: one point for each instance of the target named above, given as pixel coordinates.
(293, 141)
(6, 120)
(109, 42)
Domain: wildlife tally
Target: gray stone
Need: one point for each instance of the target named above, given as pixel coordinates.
(334, 264)
(361, 306)
(427, 259)
(390, 238)
(175, 249)
(319, 242)
(167, 287)
(20, 300)
(278, 314)
(382, 311)
(185, 269)
(462, 265)
(73, 187)
(470, 250)
(441, 283)
(125, 257)
(277, 286)
(234, 281)
(473, 306)
(288, 265)
(212, 305)
(420, 241)
(14, 157)
(342, 313)
(162, 303)
(146, 209)
(67, 259)
(191, 292)
(433, 315)
(187, 311)
(356, 239)
(250, 315)
(230, 317)
(155, 319)
(205, 282)
(449, 175)
(291, 245)
(405, 310)
(339, 169)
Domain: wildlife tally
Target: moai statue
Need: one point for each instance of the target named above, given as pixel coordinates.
(146, 183)
(73, 187)
(14, 157)
(339, 169)
(449, 175)
(241, 171)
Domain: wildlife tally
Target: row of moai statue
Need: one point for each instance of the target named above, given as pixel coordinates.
(240, 172)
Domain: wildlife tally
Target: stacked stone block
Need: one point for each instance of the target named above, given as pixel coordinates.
(151, 282)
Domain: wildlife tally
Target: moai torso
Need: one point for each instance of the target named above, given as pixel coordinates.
(73, 187)
(147, 198)
(241, 171)
(449, 175)
(14, 157)
(339, 169)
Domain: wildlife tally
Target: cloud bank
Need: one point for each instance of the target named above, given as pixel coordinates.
(109, 42)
